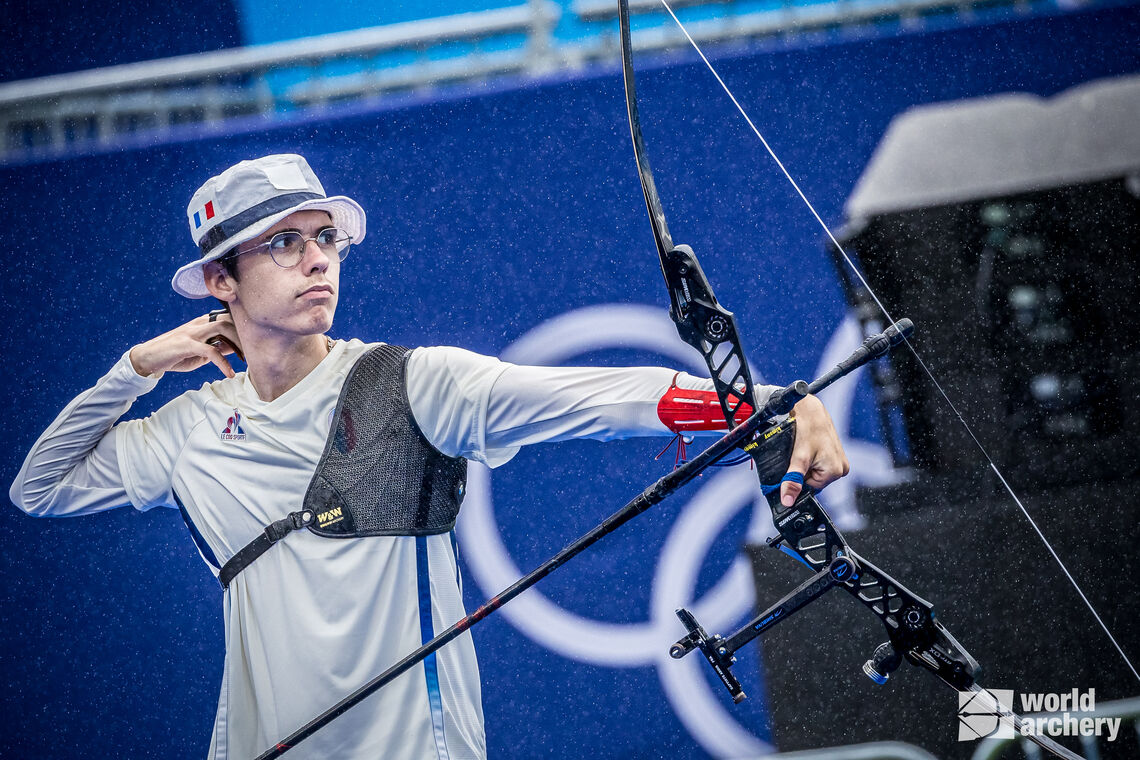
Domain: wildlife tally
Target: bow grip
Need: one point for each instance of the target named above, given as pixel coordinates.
(772, 453)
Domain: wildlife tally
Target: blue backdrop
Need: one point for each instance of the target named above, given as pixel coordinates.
(490, 215)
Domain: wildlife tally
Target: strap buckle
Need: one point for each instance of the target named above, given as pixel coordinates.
(277, 530)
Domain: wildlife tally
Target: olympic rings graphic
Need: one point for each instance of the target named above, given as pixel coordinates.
(717, 501)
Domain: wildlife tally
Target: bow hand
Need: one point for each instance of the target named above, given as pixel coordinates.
(817, 455)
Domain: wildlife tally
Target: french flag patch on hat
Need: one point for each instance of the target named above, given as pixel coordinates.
(204, 214)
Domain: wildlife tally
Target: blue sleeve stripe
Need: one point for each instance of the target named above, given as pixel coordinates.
(427, 633)
(455, 554)
(199, 541)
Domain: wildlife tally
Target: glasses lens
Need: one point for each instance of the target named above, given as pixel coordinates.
(334, 239)
(286, 248)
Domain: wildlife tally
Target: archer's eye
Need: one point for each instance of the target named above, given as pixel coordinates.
(284, 241)
(327, 237)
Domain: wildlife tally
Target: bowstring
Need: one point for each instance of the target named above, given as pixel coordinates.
(891, 320)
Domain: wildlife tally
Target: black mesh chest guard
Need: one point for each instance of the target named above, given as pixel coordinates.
(378, 475)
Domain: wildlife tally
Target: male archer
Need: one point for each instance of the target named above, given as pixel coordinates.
(322, 483)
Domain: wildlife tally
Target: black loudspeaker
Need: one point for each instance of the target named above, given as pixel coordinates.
(1008, 230)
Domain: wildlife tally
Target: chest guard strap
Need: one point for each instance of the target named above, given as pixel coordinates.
(378, 475)
(273, 533)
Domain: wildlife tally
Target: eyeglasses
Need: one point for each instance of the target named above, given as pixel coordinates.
(288, 248)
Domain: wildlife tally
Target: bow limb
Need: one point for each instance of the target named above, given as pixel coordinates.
(649, 189)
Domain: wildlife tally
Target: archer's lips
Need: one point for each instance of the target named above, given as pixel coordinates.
(317, 291)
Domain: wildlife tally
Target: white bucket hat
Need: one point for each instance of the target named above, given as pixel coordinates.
(247, 199)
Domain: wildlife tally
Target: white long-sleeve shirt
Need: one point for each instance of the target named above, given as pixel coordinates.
(315, 618)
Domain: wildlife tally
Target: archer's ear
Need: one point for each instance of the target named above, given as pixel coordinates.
(218, 281)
